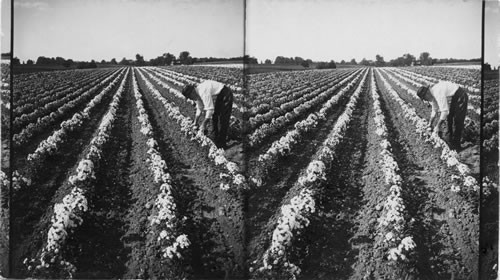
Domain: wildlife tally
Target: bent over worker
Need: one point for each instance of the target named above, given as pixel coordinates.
(451, 101)
(216, 101)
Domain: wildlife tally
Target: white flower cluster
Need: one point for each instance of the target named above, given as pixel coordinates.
(392, 221)
(181, 242)
(4, 180)
(50, 145)
(449, 157)
(166, 213)
(187, 127)
(488, 186)
(18, 181)
(66, 214)
(284, 145)
(293, 218)
(406, 245)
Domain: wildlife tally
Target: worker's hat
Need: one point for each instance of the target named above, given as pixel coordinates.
(187, 89)
(421, 91)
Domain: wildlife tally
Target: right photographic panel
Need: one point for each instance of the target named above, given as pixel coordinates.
(489, 156)
(364, 139)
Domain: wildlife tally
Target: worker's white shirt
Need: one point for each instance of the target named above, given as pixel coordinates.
(442, 93)
(207, 91)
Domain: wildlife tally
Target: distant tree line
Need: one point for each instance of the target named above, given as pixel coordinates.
(407, 59)
(58, 61)
(184, 58)
(281, 60)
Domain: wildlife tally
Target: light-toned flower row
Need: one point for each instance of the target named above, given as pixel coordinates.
(273, 89)
(297, 108)
(422, 128)
(153, 72)
(233, 177)
(413, 93)
(152, 75)
(43, 122)
(427, 79)
(166, 210)
(294, 216)
(50, 145)
(193, 79)
(38, 105)
(399, 75)
(284, 145)
(26, 85)
(297, 99)
(392, 221)
(62, 88)
(68, 213)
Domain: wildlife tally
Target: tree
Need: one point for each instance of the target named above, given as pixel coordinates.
(332, 64)
(425, 58)
(268, 61)
(103, 61)
(379, 61)
(30, 62)
(298, 60)
(113, 61)
(342, 62)
(185, 58)
(364, 62)
(408, 59)
(486, 67)
(16, 61)
(353, 61)
(305, 63)
(168, 58)
(139, 60)
(67, 63)
(250, 60)
(124, 61)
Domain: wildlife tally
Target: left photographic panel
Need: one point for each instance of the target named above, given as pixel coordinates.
(5, 106)
(127, 151)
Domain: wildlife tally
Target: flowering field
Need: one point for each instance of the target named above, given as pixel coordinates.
(330, 174)
(347, 182)
(125, 187)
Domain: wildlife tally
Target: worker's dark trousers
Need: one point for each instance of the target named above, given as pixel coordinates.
(456, 117)
(222, 115)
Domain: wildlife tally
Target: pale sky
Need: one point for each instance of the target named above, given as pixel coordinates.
(492, 33)
(106, 29)
(346, 29)
(5, 26)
